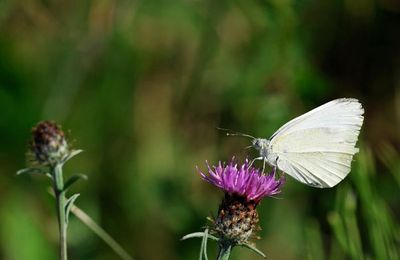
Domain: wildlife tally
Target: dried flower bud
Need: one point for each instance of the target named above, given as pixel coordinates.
(48, 143)
(237, 219)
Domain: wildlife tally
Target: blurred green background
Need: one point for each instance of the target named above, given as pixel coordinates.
(141, 86)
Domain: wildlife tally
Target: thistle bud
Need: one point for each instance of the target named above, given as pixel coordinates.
(48, 144)
(237, 219)
(244, 187)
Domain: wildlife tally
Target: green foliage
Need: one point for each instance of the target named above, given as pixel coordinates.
(363, 224)
(143, 84)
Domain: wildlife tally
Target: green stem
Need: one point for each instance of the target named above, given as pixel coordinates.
(224, 251)
(61, 200)
(100, 232)
(90, 223)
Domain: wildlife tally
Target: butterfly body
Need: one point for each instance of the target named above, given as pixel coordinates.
(263, 146)
(317, 147)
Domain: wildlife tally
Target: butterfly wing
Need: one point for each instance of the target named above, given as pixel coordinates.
(317, 148)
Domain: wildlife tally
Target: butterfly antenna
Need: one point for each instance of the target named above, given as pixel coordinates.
(229, 132)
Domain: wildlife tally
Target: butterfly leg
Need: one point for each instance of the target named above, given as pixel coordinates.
(276, 174)
(255, 159)
(274, 168)
(264, 161)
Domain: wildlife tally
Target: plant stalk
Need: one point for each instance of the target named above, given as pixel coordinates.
(88, 221)
(224, 251)
(61, 201)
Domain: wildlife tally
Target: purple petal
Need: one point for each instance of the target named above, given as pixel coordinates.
(242, 180)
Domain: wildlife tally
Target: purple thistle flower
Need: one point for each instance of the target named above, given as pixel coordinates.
(243, 181)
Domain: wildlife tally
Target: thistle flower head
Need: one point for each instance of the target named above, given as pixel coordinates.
(244, 181)
(244, 186)
(48, 144)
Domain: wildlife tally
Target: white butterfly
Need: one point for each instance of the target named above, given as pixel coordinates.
(316, 148)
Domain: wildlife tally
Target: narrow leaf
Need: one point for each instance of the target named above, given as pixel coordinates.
(202, 247)
(73, 153)
(30, 170)
(74, 179)
(92, 225)
(258, 251)
(199, 234)
(205, 238)
(68, 206)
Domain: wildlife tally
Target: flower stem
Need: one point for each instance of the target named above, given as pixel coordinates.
(224, 251)
(80, 214)
(61, 200)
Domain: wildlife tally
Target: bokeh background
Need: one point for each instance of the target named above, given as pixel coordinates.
(141, 86)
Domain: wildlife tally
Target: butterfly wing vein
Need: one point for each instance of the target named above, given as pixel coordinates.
(317, 148)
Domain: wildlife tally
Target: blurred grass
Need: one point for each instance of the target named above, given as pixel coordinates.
(141, 85)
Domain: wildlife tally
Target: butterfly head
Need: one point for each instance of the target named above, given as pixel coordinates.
(261, 145)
